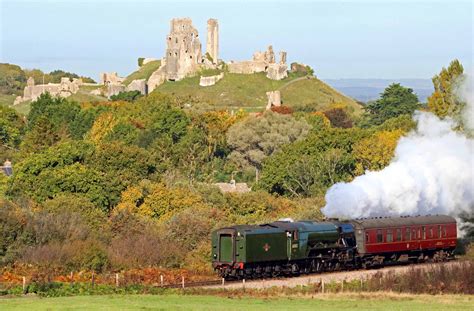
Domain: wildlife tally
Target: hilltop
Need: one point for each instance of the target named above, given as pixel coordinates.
(248, 91)
(233, 91)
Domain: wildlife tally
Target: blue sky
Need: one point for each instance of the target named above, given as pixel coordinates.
(350, 39)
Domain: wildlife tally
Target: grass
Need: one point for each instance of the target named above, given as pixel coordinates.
(7, 100)
(191, 302)
(84, 95)
(249, 91)
(144, 72)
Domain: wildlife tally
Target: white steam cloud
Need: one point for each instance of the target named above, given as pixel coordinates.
(432, 172)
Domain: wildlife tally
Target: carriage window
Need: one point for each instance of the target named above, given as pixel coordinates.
(439, 231)
(431, 232)
(399, 234)
(444, 231)
(389, 236)
(407, 234)
(413, 234)
(367, 237)
(424, 232)
(419, 233)
(379, 236)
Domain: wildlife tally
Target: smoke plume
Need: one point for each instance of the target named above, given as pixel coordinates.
(432, 172)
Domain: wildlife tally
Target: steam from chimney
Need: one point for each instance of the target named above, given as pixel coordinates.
(432, 172)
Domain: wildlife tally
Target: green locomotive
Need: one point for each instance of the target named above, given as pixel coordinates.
(281, 248)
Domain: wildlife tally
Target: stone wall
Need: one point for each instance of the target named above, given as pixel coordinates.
(212, 46)
(274, 99)
(208, 81)
(183, 52)
(110, 78)
(262, 62)
(277, 71)
(63, 89)
(114, 89)
(137, 85)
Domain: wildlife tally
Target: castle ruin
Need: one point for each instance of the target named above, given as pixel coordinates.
(262, 62)
(212, 46)
(183, 58)
(63, 89)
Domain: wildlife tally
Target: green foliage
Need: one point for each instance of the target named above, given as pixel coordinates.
(41, 135)
(59, 111)
(12, 79)
(129, 96)
(255, 138)
(61, 169)
(12, 127)
(395, 100)
(444, 102)
(166, 121)
(310, 166)
(54, 76)
(140, 61)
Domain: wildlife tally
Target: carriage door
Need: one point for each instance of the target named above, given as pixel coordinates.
(226, 248)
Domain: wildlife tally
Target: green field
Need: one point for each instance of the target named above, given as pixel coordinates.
(180, 302)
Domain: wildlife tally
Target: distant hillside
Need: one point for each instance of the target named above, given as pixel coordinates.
(248, 91)
(369, 89)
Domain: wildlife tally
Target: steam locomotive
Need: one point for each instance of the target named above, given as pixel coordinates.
(291, 248)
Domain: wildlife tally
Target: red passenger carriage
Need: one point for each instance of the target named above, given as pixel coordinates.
(405, 239)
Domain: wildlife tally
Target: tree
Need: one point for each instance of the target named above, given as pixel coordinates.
(155, 200)
(395, 100)
(12, 79)
(59, 111)
(255, 138)
(42, 135)
(338, 117)
(12, 128)
(129, 96)
(308, 167)
(443, 102)
(375, 152)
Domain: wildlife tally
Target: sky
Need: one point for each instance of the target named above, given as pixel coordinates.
(339, 39)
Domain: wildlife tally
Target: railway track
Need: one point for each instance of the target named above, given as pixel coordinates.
(337, 276)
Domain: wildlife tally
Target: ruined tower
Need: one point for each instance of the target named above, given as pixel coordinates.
(212, 46)
(183, 52)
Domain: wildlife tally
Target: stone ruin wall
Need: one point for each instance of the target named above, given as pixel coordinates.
(212, 45)
(63, 89)
(262, 62)
(110, 78)
(274, 99)
(208, 81)
(183, 55)
(183, 52)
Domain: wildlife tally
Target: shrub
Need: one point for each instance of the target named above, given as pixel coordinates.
(129, 96)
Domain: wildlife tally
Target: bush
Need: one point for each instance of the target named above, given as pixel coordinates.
(129, 96)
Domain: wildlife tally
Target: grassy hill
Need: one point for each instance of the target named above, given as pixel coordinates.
(248, 91)
(144, 72)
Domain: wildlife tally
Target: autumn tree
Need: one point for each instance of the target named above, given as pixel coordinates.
(375, 152)
(444, 102)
